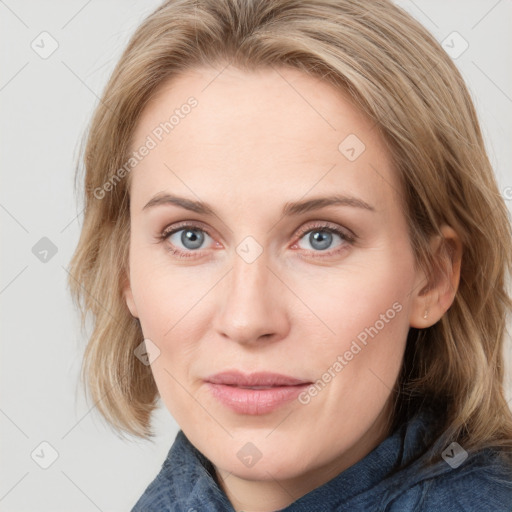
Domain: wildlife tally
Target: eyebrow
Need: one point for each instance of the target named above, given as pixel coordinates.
(290, 208)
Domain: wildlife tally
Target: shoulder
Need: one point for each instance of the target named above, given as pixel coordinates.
(483, 483)
(184, 483)
(158, 495)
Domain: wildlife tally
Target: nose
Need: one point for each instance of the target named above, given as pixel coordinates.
(251, 307)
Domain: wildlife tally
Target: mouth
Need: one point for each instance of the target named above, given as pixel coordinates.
(256, 393)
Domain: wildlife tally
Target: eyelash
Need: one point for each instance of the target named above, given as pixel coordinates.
(170, 230)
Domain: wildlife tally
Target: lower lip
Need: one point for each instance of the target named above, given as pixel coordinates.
(255, 401)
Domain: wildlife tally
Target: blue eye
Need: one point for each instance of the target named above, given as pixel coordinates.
(320, 239)
(191, 237)
(188, 240)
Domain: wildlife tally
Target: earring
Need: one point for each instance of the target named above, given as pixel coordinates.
(426, 314)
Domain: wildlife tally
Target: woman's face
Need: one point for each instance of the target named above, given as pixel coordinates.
(267, 238)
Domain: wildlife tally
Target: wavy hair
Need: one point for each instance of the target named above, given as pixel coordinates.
(399, 76)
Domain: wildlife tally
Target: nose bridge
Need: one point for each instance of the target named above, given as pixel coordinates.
(250, 280)
(251, 305)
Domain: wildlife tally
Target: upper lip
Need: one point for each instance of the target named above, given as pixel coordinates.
(237, 378)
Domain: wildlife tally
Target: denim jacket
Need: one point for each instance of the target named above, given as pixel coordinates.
(477, 482)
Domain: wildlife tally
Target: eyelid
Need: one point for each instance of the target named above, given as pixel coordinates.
(186, 224)
(349, 234)
(328, 226)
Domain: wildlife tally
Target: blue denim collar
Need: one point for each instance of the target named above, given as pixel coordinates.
(187, 481)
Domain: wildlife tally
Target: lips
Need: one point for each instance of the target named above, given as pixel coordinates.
(256, 393)
(260, 379)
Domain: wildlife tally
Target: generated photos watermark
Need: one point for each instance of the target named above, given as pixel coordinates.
(356, 347)
(152, 140)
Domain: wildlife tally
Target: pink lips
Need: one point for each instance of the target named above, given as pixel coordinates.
(256, 393)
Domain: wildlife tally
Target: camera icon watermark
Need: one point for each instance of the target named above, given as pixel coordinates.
(454, 45)
(249, 249)
(44, 455)
(351, 147)
(454, 455)
(249, 454)
(147, 352)
(44, 250)
(44, 45)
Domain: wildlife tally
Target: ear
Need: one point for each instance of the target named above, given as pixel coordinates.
(434, 298)
(128, 295)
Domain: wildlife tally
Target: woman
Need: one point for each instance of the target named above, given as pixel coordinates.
(300, 247)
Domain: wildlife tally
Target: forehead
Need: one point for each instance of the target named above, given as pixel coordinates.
(238, 132)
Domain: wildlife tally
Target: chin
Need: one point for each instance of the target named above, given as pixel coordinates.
(257, 460)
(274, 468)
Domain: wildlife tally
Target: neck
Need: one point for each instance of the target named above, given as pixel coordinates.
(270, 495)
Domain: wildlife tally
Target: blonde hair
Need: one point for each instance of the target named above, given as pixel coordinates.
(401, 78)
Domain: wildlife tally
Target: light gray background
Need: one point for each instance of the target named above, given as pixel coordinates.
(46, 105)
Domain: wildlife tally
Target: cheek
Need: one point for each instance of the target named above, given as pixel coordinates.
(163, 294)
(357, 296)
(171, 303)
(365, 307)
(357, 366)
(167, 304)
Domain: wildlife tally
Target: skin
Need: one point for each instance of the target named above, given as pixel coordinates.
(255, 141)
